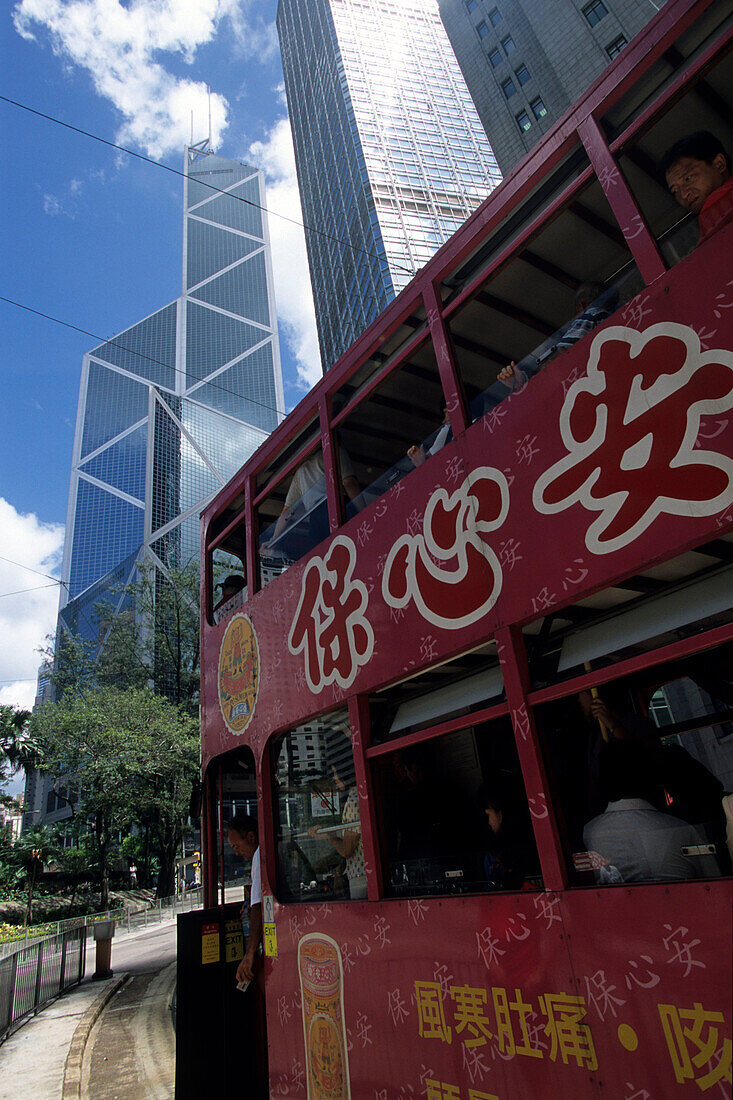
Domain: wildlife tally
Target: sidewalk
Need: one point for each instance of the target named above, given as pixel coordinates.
(43, 1060)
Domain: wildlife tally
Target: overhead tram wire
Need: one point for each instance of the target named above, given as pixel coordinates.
(22, 591)
(30, 569)
(202, 183)
(141, 355)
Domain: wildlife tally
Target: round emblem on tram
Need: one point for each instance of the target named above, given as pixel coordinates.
(239, 673)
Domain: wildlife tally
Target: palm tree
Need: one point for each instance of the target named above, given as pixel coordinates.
(17, 747)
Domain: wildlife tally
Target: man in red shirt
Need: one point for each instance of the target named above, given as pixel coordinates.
(698, 173)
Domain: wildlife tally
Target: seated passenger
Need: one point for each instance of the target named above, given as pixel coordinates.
(591, 307)
(229, 588)
(418, 453)
(511, 854)
(636, 842)
(309, 481)
(698, 174)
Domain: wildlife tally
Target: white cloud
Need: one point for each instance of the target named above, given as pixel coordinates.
(289, 260)
(25, 618)
(51, 205)
(119, 46)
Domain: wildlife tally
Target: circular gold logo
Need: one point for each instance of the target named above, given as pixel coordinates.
(239, 673)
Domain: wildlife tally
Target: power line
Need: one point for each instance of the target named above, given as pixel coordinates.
(31, 570)
(211, 186)
(21, 591)
(142, 355)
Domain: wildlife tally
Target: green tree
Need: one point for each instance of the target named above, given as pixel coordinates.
(155, 640)
(18, 750)
(132, 756)
(32, 850)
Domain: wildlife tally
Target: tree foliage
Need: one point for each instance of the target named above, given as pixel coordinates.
(17, 748)
(132, 756)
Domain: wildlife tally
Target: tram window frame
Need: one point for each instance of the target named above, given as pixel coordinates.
(543, 267)
(393, 391)
(638, 155)
(638, 761)
(610, 625)
(314, 802)
(284, 532)
(443, 841)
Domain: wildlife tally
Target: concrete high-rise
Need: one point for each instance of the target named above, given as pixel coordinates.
(171, 407)
(526, 61)
(390, 153)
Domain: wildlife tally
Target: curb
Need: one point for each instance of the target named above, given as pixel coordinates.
(75, 1058)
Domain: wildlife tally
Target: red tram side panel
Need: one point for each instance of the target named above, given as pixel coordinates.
(617, 456)
(547, 995)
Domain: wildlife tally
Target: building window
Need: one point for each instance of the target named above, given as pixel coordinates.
(472, 5)
(595, 11)
(522, 74)
(495, 58)
(613, 49)
(495, 17)
(482, 29)
(507, 87)
(538, 108)
(508, 44)
(523, 121)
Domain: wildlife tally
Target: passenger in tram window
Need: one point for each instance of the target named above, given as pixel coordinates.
(347, 843)
(592, 307)
(419, 452)
(230, 586)
(607, 719)
(698, 173)
(308, 490)
(510, 857)
(635, 841)
(242, 835)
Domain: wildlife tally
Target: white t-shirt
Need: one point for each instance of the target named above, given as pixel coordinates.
(312, 473)
(255, 894)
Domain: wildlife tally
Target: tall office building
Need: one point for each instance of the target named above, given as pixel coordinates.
(390, 152)
(526, 61)
(170, 408)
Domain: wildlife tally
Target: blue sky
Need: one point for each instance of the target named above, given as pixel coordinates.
(93, 237)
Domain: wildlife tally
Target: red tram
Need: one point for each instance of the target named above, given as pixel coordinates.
(437, 685)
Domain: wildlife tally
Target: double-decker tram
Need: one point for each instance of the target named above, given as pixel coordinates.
(474, 663)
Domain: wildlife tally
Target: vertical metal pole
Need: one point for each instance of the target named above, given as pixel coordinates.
(62, 973)
(11, 991)
(39, 968)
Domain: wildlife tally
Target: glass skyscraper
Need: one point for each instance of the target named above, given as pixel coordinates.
(390, 152)
(170, 408)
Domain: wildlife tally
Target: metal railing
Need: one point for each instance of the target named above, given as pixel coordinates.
(33, 976)
(158, 910)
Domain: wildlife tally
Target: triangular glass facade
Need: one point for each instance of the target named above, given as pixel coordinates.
(198, 435)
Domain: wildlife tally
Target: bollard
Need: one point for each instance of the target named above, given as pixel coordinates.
(104, 930)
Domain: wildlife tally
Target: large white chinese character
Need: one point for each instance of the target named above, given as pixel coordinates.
(630, 428)
(330, 626)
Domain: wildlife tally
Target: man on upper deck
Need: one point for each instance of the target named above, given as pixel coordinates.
(698, 174)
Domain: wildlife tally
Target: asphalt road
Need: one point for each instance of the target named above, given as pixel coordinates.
(130, 1054)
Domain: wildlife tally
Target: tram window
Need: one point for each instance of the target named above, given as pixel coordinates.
(403, 414)
(459, 687)
(454, 815)
(572, 275)
(640, 802)
(293, 519)
(667, 70)
(238, 796)
(706, 106)
(228, 582)
(658, 606)
(317, 831)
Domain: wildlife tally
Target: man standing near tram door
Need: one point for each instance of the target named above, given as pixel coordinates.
(242, 835)
(243, 839)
